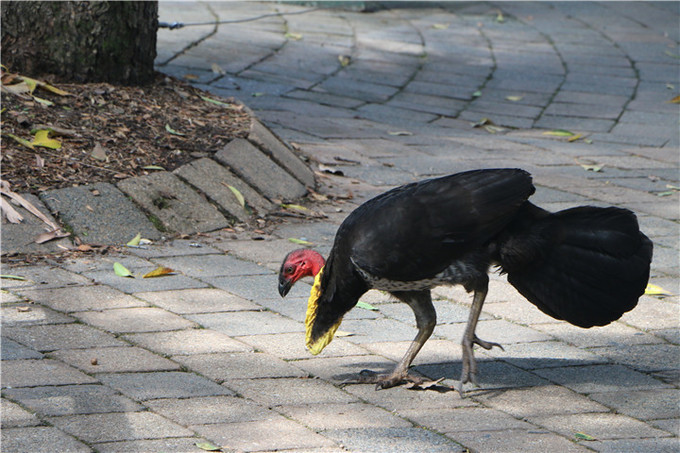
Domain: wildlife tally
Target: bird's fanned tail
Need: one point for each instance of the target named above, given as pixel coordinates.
(587, 265)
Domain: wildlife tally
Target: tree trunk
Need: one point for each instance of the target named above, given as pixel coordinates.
(81, 41)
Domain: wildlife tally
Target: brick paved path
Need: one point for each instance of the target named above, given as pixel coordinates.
(96, 362)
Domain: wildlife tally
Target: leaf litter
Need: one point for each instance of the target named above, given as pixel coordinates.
(127, 123)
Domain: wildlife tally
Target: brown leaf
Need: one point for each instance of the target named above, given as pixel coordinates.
(158, 272)
(99, 153)
(50, 235)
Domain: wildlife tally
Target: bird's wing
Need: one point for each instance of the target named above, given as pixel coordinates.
(416, 231)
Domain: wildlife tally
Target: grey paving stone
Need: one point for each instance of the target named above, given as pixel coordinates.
(325, 98)
(601, 426)
(247, 323)
(643, 404)
(82, 298)
(208, 409)
(26, 314)
(343, 416)
(114, 360)
(173, 444)
(538, 401)
(200, 300)
(393, 439)
(253, 365)
(72, 400)
(20, 237)
(171, 384)
(393, 115)
(289, 391)
(111, 220)
(273, 433)
(117, 426)
(660, 445)
(357, 89)
(615, 334)
(464, 419)
(273, 146)
(498, 330)
(427, 104)
(31, 373)
(14, 416)
(214, 180)
(187, 342)
(290, 346)
(601, 378)
(340, 369)
(144, 319)
(43, 277)
(138, 284)
(545, 354)
(40, 439)
(259, 171)
(212, 266)
(60, 336)
(525, 440)
(175, 247)
(652, 314)
(657, 357)
(574, 124)
(11, 350)
(400, 399)
(179, 208)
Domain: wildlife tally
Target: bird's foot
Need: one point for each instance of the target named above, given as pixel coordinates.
(469, 373)
(385, 381)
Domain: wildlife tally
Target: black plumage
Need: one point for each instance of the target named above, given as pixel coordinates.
(585, 265)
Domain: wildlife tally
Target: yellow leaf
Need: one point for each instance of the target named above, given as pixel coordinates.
(574, 138)
(592, 167)
(514, 98)
(654, 290)
(559, 133)
(172, 131)
(44, 86)
(440, 26)
(344, 60)
(158, 272)
(43, 101)
(675, 100)
(21, 141)
(42, 139)
(295, 207)
(153, 167)
(135, 240)
(293, 36)
(300, 242)
(238, 195)
(121, 270)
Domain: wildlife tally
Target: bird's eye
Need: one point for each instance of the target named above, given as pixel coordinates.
(289, 270)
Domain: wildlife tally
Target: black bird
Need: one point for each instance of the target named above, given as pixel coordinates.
(585, 265)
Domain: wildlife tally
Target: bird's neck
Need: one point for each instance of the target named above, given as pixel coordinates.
(316, 262)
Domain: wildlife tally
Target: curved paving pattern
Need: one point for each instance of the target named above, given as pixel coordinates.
(386, 97)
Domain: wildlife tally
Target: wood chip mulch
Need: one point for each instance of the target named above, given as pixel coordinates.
(108, 133)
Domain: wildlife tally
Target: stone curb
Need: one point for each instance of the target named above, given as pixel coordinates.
(196, 197)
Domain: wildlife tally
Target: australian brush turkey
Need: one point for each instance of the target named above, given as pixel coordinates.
(585, 265)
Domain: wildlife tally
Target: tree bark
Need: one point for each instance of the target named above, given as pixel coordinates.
(81, 41)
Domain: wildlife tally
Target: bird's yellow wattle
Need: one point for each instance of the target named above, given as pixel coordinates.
(315, 347)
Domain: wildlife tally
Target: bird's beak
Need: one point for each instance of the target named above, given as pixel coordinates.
(284, 286)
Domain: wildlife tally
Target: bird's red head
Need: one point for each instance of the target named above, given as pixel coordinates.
(297, 264)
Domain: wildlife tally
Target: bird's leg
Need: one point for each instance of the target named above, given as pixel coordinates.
(426, 318)
(470, 338)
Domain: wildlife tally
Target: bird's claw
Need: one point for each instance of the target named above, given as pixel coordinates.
(383, 381)
(469, 373)
(486, 344)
